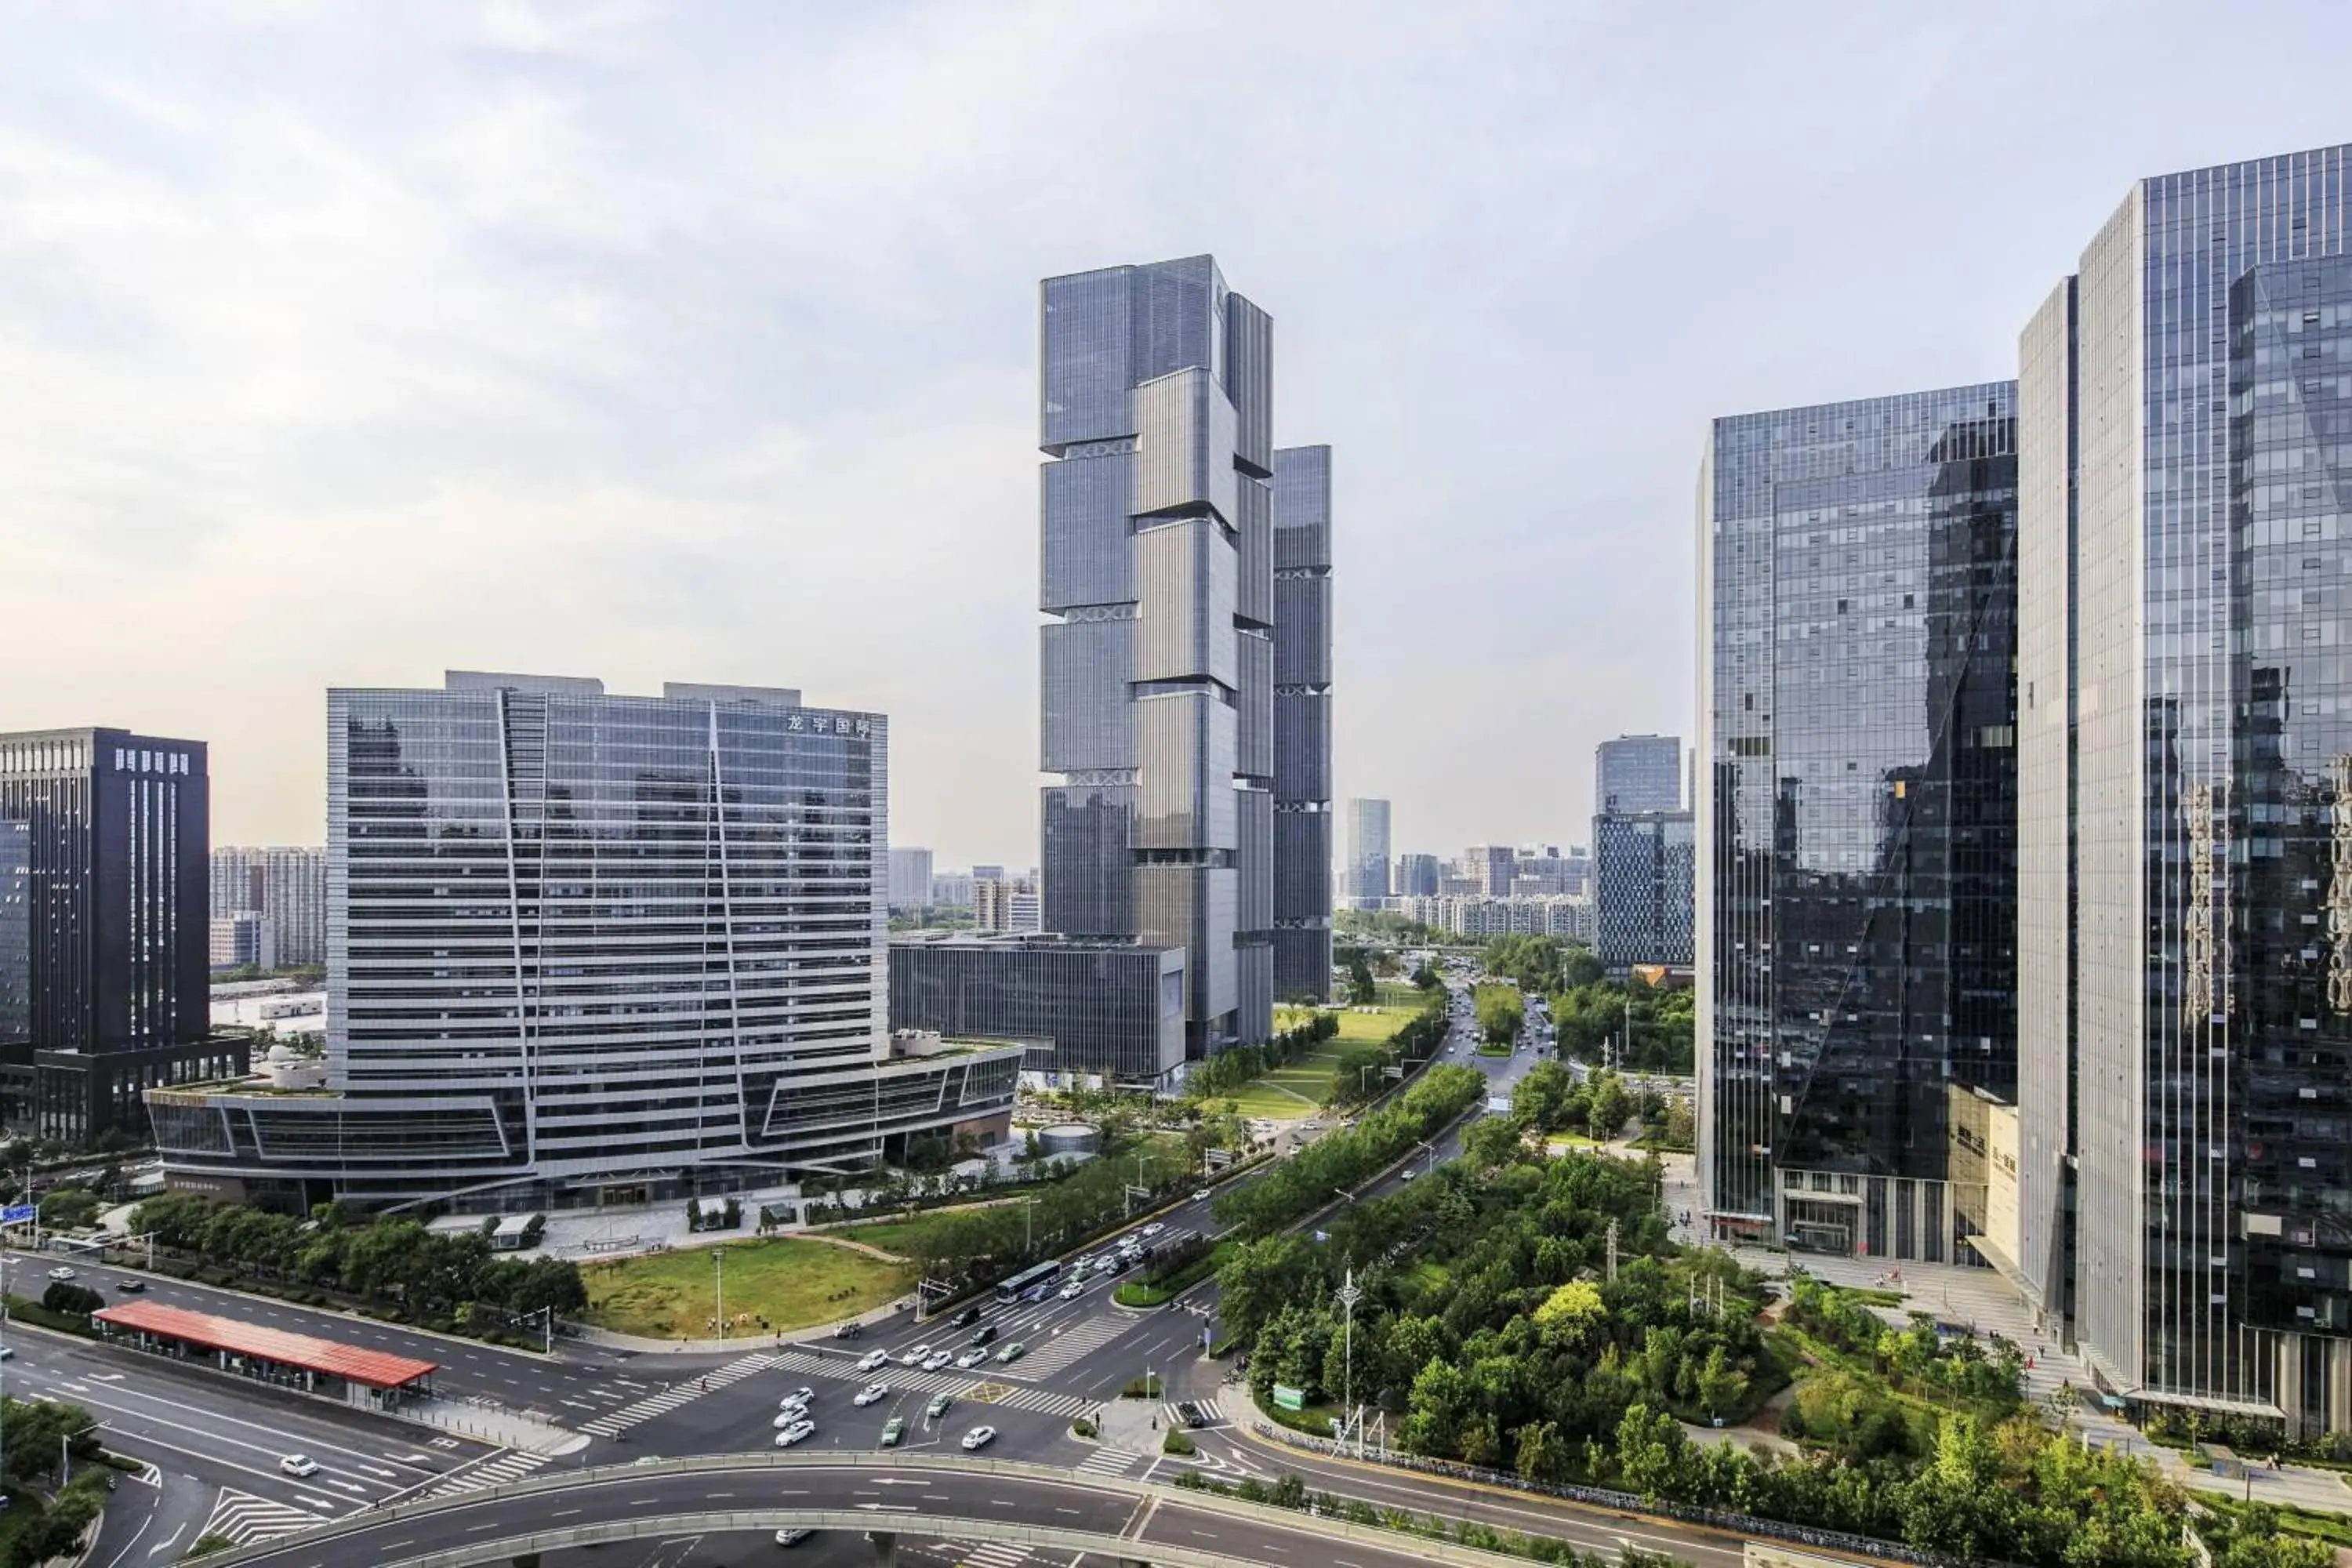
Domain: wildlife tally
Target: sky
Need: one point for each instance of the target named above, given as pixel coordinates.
(346, 344)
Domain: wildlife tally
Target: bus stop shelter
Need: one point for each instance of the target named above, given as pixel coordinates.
(375, 1380)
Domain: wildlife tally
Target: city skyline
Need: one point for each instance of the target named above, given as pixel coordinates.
(489, 351)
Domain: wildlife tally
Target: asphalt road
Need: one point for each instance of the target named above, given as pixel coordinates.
(214, 1445)
(935, 1497)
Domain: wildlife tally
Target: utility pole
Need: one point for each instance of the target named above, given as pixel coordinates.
(1350, 1294)
(719, 1288)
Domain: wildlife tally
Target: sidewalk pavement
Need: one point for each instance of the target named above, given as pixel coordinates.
(501, 1426)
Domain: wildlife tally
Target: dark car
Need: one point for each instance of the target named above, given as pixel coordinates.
(131, 1286)
(1193, 1415)
(850, 1332)
(987, 1335)
(964, 1319)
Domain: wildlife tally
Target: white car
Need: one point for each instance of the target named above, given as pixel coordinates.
(1202, 1197)
(873, 1359)
(793, 1537)
(938, 1360)
(1077, 1266)
(980, 1438)
(914, 1357)
(62, 1273)
(800, 1396)
(298, 1465)
(798, 1432)
(870, 1393)
(1154, 1228)
(970, 1358)
(790, 1415)
(1074, 1290)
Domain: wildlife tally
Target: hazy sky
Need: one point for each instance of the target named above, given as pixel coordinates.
(345, 344)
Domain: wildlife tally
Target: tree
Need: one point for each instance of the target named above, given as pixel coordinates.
(1500, 1014)
(74, 1300)
(1360, 987)
(1650, 1452)
(1610, 1107)
(1721, 1385)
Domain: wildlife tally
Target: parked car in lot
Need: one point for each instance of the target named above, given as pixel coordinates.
(979, 1437)
(870, 1393)
(873, 1359)
(298, 1465)
(893, 1430)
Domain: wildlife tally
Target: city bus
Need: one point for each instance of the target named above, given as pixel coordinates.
(1030, 1284)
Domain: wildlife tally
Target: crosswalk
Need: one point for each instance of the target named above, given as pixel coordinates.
(908, 1379)
(1045, 1360)
(676, 1394)
(993, 1555)
(1209, 1407)
(245, 1518)
(1110, 1462)
(512, 1465)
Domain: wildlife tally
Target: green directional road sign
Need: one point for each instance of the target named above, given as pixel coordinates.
(1290, 1398)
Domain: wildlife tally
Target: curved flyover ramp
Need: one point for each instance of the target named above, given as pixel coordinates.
(916, 1495)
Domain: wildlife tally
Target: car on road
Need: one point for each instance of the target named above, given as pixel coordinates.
(1080, 1265)
(1074, 1290)
(7, 1352)
(987, 1334)
(1202, 1197)
(850, 1332)
(62, 1273)
(938, 1360)
(1154, 1228)
(971, 1358)
(869, 1394)
(914, 1356)
(873, 1359)
(1408, 1173)
(964, 1319)
(131, 1287)
(1011, 1353)
(892, 1430)
(793, 1537)
(939, 1404)
(798, 1432)
(799, 1396)
(1192, 1415)
(979, 1437)
(298, 1465)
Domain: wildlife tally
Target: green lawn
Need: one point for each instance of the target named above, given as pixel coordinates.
(1263, 1101)
(791, 1282)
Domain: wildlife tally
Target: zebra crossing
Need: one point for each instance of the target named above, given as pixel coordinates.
(1109, 1462)
(993, 1555)
(1056, 1354)
(1013, 1397)
(510, 1465)
(676, 1394)
(1211, 1408)
(247, 1520)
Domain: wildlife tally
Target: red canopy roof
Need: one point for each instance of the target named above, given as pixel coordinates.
(377, 1369)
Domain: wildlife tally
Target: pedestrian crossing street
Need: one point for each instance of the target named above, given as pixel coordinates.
(245, 1518)
(676, 1394)
(1013, 1397)
(993, 1555)
(512, 1465)
(1109, 1462)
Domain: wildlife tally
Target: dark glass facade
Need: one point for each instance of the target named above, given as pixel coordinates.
(1112, 1011)
(1642, 886)
(113, 866)
(1302, 723)
(1858, 811)
(1638, 772)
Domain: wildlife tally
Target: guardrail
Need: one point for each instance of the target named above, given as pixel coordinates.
(1627, 1502)
(556, 1483)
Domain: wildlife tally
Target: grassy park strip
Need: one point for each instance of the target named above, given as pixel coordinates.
(780, 1284)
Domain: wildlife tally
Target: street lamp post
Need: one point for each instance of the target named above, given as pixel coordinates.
(718, 1289)
(1350, 1294)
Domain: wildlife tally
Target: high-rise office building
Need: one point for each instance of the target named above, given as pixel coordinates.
(1491, 868)
(16, 934)
(952, 890)
(285, 884)
(1416, 875)
(1368, 853)
(2186, 778)
(1302, 723)
(118, 928)
(244, 940)
(1638, 772)
(592, 949)
(1856, 925)
(910, 879)
(1641, 892)
(1157, 667)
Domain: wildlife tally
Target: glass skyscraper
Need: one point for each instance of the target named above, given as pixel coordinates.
(2186, 715)
(1856, 812)
(1302, 723)
(1643, 870)
(1368, 853)
(1638, 772)
(592, 948)
(1161, 552)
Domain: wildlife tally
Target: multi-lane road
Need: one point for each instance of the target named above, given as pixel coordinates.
(1079, 1353)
